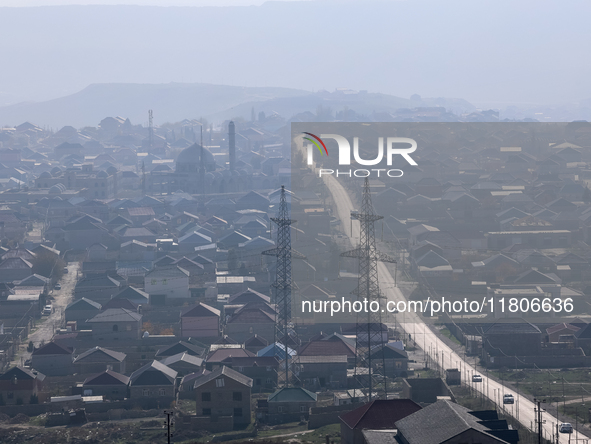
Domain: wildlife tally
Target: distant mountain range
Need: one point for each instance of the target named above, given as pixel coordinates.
(501, 51)
(174, 102)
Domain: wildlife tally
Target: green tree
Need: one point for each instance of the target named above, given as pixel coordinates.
(49, 265)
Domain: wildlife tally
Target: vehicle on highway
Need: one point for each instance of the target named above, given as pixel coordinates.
(58, 287)
(65, 270)
(47, 310)
(508, 399)
(476, 378)
(565, 427)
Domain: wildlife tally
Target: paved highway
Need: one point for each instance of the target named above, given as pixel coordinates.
(522, 410)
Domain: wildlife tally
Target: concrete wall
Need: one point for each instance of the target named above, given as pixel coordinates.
(120, 331)
(425, 390)
(212, 424)
(548, 361)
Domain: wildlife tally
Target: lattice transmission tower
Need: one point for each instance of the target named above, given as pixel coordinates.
(285, 333)
(370, 365)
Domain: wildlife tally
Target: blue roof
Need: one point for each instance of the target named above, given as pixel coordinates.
(277, 349)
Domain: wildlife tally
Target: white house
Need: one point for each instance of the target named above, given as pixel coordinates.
(164, 283)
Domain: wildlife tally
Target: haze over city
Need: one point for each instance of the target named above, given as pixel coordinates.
(295, 222)
(476, 51)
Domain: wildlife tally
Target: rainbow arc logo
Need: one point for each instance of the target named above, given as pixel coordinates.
(315, 140)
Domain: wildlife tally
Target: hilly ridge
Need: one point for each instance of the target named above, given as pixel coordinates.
(174, 102)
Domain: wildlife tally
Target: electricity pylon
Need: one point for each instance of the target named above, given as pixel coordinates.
(370, 368)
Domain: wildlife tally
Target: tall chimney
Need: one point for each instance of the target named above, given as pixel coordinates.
(232, 144)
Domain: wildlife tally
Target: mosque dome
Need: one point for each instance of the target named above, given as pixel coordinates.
(189, 159)
(56, 171)
(58, 188)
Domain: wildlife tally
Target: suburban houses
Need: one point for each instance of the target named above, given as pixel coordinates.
(142, 276)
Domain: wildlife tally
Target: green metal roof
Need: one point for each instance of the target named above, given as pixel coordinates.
(292, 394)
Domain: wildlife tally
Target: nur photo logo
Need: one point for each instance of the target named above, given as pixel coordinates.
(387, 148)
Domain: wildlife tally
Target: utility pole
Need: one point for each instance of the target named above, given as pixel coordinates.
(168, 423)
(538, 417)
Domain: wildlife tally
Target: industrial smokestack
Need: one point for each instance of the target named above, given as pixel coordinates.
(232, 145)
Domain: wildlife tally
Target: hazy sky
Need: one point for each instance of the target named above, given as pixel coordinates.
(22, 3)
(487, 51)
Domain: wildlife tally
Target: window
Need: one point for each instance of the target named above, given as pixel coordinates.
(240, 369)
(303, 409)
(115, 327)
(162, 392)
(219, 382)
(10, 395)
(237, 396)
(238, 412)
(206, 396)
(145, 392)
(269, 381)
(128, 327)
(206, 412)
(279, 409)
(269, 368)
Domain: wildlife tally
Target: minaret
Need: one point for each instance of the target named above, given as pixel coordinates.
(202, 164)
(232, 145)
